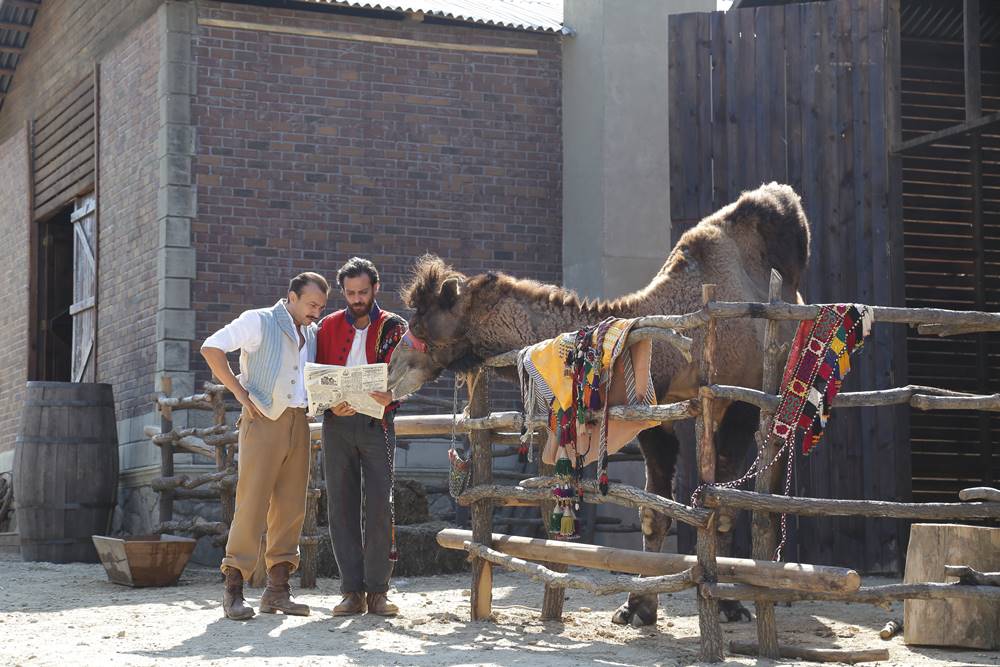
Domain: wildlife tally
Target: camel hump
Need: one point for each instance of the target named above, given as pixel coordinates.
(776, 210)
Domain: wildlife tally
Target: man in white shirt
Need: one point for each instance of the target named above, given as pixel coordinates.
(275, 343)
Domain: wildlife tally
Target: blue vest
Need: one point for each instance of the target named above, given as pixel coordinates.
(276, 361)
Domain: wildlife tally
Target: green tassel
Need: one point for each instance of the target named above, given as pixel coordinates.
(563, 465)
(555, 522)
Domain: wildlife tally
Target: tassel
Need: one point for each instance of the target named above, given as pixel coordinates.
(555, 521)
(567, 527)
(595, 400)
(563, 466)
(393, 552)
(522, 454)
(602, 483)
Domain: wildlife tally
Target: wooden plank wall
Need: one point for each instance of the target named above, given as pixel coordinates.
(798, 94)
(62, 144)
(950, 450)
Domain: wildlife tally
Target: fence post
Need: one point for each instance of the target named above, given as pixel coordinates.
(708, 606)
(166, 453)
(482, 510)
(764, 526)
(227, 499)
(552, 600)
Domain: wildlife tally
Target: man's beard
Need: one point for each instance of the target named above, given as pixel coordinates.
(363, 309)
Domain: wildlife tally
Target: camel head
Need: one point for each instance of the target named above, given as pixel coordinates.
(439, 297)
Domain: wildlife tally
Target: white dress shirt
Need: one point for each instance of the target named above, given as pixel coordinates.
(245, 334)
(359, 355)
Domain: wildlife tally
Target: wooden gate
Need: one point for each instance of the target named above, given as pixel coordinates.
(803, 94)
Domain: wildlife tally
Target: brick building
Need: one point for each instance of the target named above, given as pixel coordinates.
(210, 150)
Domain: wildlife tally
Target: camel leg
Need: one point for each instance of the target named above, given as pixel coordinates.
(659, 449)
(734, 438)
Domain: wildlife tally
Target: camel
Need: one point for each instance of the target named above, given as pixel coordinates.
(463, 320)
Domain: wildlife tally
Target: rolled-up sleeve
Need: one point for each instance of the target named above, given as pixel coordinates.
(243, 333)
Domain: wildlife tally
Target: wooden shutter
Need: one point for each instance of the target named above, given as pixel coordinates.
(63, 150)
(84, 308)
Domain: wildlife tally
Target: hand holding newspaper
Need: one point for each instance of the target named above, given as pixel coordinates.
(328, 385)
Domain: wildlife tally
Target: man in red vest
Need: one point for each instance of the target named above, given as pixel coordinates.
(357, 447)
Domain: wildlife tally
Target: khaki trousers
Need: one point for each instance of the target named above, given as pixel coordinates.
(271, 491)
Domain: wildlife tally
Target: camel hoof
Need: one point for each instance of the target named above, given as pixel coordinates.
(622, 615)
(638, 621)
(734, 611)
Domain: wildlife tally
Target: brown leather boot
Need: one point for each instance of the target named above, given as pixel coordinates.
(378, 603)
(278, 594)
(353, 603)
(233, 604)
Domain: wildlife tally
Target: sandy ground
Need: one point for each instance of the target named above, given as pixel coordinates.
(71, 615)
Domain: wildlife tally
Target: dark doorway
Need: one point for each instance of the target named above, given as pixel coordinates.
(54, 297)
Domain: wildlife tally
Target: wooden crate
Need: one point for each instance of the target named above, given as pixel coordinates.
(144, 560)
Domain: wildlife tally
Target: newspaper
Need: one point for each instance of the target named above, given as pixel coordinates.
(328, 385)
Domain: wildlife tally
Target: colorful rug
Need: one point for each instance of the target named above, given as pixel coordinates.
(817, 364)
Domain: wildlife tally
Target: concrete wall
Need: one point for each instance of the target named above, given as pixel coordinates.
(616, 180)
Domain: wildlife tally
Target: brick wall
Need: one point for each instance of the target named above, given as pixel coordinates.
(14, 219)
(66, 39)
(127, 299)
(311, 150)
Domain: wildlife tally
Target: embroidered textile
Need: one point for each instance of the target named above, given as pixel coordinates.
(817, 364)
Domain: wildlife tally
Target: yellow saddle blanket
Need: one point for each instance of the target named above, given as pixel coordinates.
(547, 384)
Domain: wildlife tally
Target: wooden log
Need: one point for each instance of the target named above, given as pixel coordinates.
(764, 573)
(629, 496)
(411, 426)
(162, 484)
(166, 454)
(707, 542)
(648, 328)
(482, 510)
(197, 526)
(982, 322)
(972, 577)
(554, 597)
(973, 622)
(764, 525)
(195, 446)
(197, 401)
(980, 493)
(890, 629)
(210, 492)
(716, 497)
(877, 595)
(849, 656)
(670, 583)
(920, 397)
(160, 437)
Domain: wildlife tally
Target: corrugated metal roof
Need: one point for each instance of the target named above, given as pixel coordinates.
(16, 19)
(531, 15)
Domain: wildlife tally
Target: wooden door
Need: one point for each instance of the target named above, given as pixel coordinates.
(84, 308)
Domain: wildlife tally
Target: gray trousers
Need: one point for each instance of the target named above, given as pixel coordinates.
(354, 453)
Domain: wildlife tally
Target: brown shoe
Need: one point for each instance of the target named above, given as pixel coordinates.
(233, 604)
(378, 603)
(278, 594)
(353, 603)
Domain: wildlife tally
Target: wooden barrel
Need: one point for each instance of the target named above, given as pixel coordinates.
(65, 470)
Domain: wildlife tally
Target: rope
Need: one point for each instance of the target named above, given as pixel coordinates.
(458, 475)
